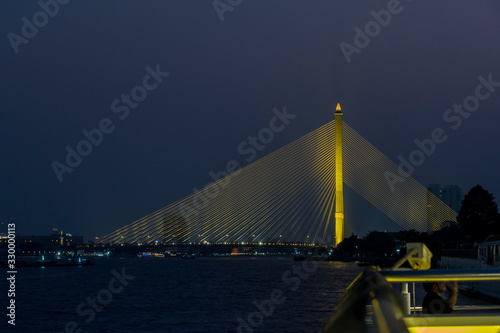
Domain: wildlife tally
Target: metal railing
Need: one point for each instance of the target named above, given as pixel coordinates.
(441, 275)
(465, 307)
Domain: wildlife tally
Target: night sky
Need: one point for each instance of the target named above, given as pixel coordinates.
(224, 78)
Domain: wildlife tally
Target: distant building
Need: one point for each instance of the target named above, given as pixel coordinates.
(47, 241)
(436, 190)
(453, 196)
(433, 195)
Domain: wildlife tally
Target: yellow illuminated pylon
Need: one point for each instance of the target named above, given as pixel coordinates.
(339, 192)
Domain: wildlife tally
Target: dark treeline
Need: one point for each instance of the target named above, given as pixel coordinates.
(478, 218)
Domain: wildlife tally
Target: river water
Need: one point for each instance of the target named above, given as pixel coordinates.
(219, 294)
(224, 294)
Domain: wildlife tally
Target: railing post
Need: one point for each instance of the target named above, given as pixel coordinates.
(406, 296)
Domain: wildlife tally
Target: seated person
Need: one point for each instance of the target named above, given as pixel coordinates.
(433, 303)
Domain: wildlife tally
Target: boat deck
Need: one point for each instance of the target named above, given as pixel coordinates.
(463, 323)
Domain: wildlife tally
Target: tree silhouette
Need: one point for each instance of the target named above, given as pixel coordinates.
(349, 246)
(450, 235)
(379, 244)
(479, 216)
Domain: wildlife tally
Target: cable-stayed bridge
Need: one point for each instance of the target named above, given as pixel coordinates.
(290, 195)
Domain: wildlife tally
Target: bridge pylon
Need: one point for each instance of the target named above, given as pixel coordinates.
(339, 190)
